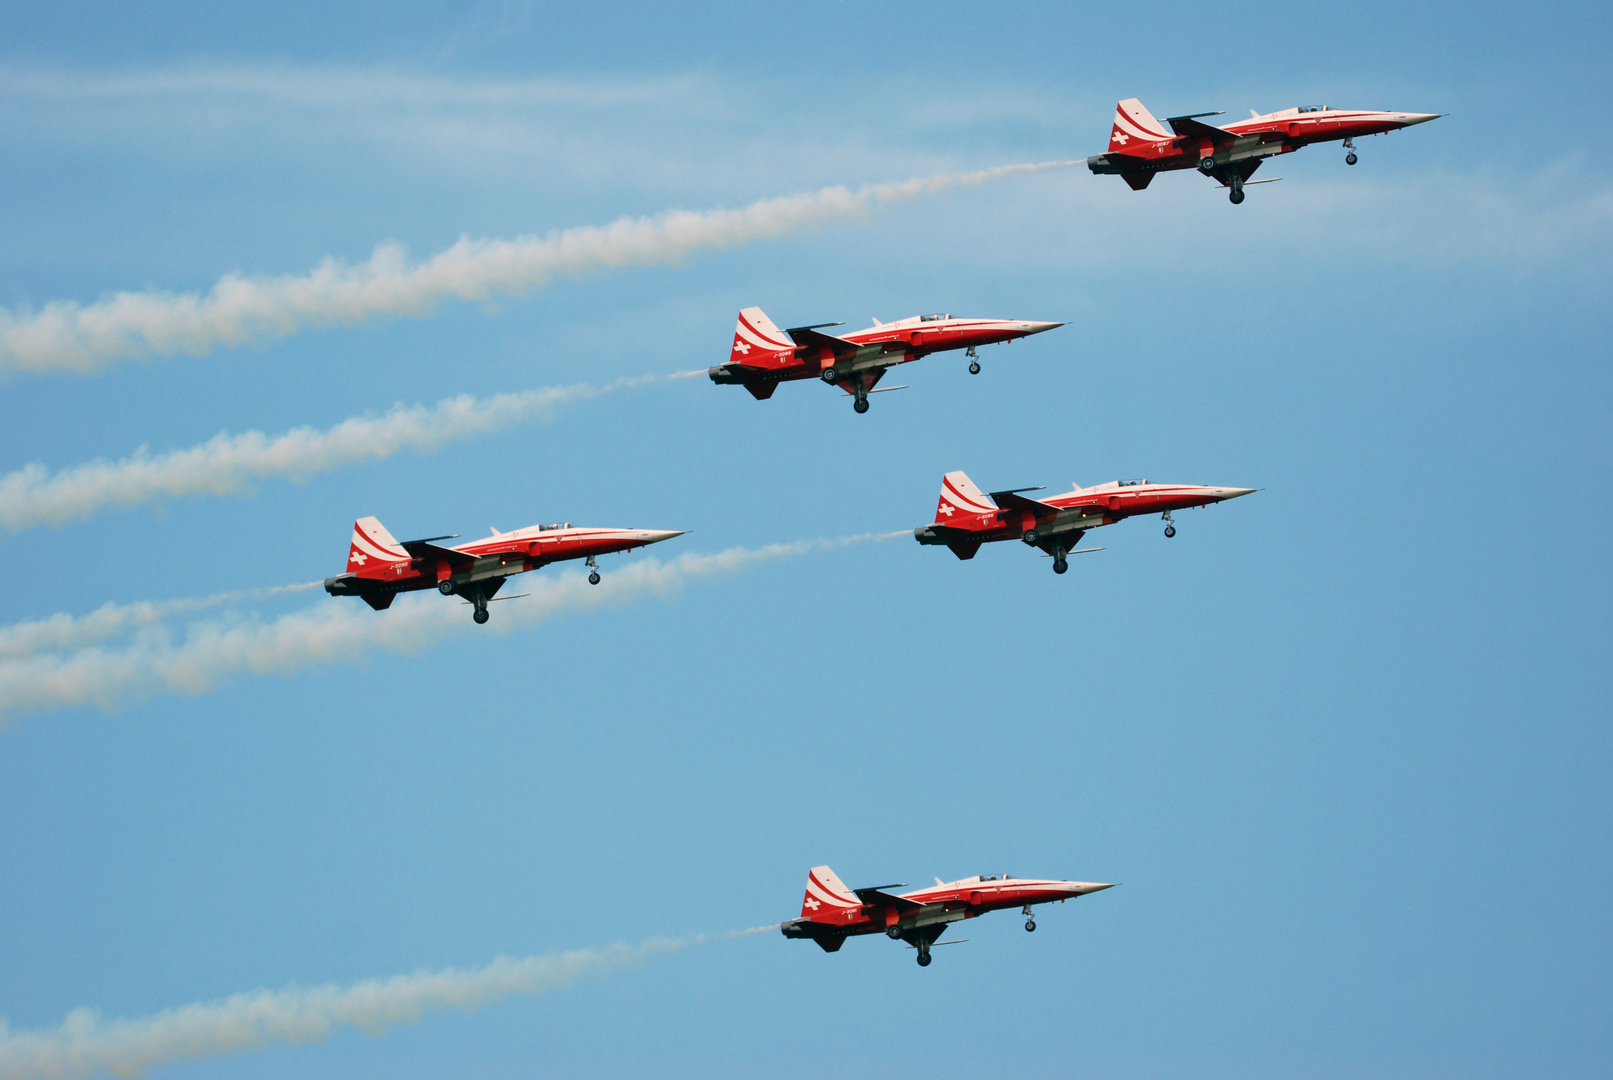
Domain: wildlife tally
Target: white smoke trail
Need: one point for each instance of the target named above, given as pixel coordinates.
(68, 336)
(86, 1043)
(227, 464)
(340, 631)
(62, 632)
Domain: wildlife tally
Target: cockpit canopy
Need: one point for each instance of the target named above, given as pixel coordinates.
(933, 318)
(553, 525)
(1130, 483)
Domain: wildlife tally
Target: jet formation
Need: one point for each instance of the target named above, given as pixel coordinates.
(763, 356)
(967, 517)
(1139, 146)
(379, 567)
(830, 912)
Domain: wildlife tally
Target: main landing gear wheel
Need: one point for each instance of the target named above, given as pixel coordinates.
(1236, 195)
(445, 587)
(1030, 926)
(1350, 158)
(861, 405)
(924, 959)
(1207, 166)
(1030, 537)
(1060, 565)
(480, 616)
(893, 932)
(830, 375)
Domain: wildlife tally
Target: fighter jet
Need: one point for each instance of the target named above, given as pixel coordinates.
(1139, 147)
(764, 356)
(831, 913)
(967, 517)
(378, 567)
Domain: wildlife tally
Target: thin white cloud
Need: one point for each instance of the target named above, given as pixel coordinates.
(228, 464)
(86, 1043)
(67, 336)
(340, 631)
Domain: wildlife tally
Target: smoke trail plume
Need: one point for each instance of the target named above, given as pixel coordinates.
(67, 336)
(62, 632)
(86, 1043)
(340, 631)
(228, 464)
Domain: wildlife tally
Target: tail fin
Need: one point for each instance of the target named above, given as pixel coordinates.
(960, 496)
(755, 338)
(827, 898)
(1134, 124)
(374, 553)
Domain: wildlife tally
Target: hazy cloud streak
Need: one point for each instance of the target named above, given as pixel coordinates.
(227, 464)
(85, 1043)
(67, 336)
(341, 630)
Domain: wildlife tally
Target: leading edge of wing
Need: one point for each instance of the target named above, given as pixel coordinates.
(1186, 125)
(880, 896)
(425, 549)
(1013, 500)
(807, 335)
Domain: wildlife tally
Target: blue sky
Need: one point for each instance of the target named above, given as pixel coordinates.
(1345, 742)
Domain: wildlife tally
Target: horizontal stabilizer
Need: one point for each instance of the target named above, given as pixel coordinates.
(761, 389)
(1186, 125)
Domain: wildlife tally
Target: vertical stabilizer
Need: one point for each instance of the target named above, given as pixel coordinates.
(374, 553)
(960, 499)
(827, 898)
(1134, 125)
(757, 340)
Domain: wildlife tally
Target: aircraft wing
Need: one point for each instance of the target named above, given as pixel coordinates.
(1186, 125)
(1013, 500)
(425, 549)
(880, 896)
(808, 335)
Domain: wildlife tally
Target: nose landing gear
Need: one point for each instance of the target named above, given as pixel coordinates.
(974, 360)
(1350, 158)
(593, 571)
(1030, 923)
(1170, 526)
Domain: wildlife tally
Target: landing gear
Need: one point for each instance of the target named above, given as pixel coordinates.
(893, 932)
(1170, 526)
(861, 404)
(1236, 194)
(974, 360)
(830, 375)
(1030, 923)
(480, 600)
(1350, 158)
(1060, 564)
(593, 571)
(445, 587)
(924, 953)
(1207, 166)
(1030, 537)
(480, 616)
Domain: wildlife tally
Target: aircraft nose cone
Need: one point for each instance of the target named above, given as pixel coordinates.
(1092, 887)
(1041, 327)
(1409, 119)
(1224, 494)
(655, 536)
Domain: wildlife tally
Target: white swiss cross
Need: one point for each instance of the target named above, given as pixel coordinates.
(359, 557)
(813, 904)
(1121, 137)
(947, 510)
(741, 348)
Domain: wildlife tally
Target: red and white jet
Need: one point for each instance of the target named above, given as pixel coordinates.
(967, 517)
(1139, 147)
(831, 913)
(378, 567)
(764, 356)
